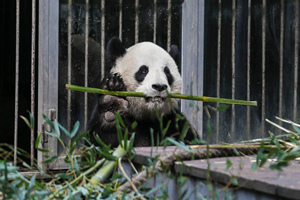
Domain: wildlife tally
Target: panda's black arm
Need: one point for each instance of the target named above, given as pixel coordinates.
(191, 133)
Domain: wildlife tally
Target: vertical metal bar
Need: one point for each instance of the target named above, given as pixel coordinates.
(248, 67)
(263, 109)
(102, 37)
(86, 56)
(169, 24)
(120, 18)
(219, 68)
(296, 55)
(33, 35)
(233, 68)
(154, 21)
(136, 35)
(281, 58)
(17, 80)
(69, 61)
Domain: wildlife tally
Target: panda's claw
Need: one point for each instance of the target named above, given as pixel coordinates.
(114, 82)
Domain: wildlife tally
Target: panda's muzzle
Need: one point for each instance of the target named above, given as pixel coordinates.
(156, 99)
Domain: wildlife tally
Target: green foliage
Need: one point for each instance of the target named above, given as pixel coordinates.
(83, 164)
(279, 151)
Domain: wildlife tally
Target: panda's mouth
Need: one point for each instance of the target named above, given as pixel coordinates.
(156, 99)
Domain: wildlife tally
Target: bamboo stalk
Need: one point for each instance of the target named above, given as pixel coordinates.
(107, 168)
(178, 96)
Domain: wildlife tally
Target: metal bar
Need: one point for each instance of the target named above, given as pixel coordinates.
(120, 18)
(263, 109)
(86, 56)
(17, 80)
(33, 38)
(296, 55)
(233, 68)
(154, 21)
(218, 68)
(281, 59)
(169, 24)
(69, 62)
(136, 35)
(102, 38)
(248, 67)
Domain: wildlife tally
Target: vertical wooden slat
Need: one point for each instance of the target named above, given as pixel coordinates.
(48, 70)
(154, 21)
(52, 67)
(233, 68)
(281, 59)
(248, 67)
(296, 62)
(69, 62)
(136, 28)
(33, 35)
(263, 101)
(120, 18)
(43, 61)
(102, 38)
(86, 55)
(219, 67)
(192, 58)
(17, 80)
(169, 25)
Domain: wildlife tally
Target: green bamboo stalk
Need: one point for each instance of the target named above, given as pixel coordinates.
(178, 96)
(108, 166)
(104, 171)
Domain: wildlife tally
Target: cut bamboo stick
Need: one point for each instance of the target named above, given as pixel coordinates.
(178, 96)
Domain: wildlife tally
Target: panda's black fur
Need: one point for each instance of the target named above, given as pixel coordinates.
(120, 63)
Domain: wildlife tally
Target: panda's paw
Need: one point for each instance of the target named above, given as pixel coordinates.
(110, 105)
(114, 82)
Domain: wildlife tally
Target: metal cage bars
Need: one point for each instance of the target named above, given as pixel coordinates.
(263, 63)
(33, 76)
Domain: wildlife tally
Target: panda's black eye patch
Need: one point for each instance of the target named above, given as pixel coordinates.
(169, 75)
(141, 73)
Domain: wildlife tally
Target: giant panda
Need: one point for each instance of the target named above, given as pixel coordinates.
(144, 67)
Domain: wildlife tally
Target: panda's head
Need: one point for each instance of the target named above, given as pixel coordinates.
(146, 67)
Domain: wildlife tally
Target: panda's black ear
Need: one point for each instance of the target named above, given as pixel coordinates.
(175, 54)
(114, 50)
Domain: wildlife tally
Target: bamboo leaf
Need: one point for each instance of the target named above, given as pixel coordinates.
(222, 107)
(79, 137)
(179, 144)
(48, 121)
(64, 130)
(75, 129)
(37, 141)
(43, 150)
(56, 128)
(31, 120)
(50, 159)
(26, 121)
(64, 176)
(52, 134)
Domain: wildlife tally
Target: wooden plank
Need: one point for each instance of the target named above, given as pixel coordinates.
(285, 184)
(42, 69)
(192, 59)
(48, 68)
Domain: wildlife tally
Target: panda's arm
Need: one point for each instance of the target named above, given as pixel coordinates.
(191, 133)
(102, 121)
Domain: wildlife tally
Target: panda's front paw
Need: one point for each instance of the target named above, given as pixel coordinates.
(108, 107)
(114, 82)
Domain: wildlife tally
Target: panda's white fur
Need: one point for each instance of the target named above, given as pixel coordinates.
(156, 59)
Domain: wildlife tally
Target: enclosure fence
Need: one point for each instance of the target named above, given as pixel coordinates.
(251, 51)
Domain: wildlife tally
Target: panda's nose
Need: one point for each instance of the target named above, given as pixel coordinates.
(159, 87)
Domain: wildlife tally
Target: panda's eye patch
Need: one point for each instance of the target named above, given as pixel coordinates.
(169, 75)
(141, 73)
